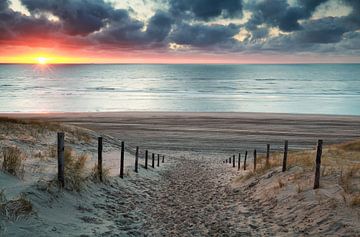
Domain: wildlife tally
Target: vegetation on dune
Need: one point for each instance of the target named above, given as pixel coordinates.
(341, 161)
(13, 161)
(74, 170)
(31, 129)
(16, 208)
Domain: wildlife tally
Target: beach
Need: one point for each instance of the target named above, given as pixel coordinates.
(193, 193)
(216, 133)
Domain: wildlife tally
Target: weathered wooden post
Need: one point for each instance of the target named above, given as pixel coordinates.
(100, 148)
(233, 161)
(318, 164)
(153, 160)
(245, 160)
(254, 159)
(285, 156)
(122, 160)
(60, 153)
(146, 158)
(158, 160)
(136, 159)
(163, 159)
(267, 154)
(230, 159)
(239, 160)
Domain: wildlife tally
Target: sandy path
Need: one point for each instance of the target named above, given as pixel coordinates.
(194, 198)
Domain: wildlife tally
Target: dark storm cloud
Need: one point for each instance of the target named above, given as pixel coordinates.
(126, 31)
(194, 23)
(79, 17)
(159, 26)
(205, 9)
(203, 35)
(279, 13)
(15, 26)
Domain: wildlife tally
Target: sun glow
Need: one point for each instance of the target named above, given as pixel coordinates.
(42, 60)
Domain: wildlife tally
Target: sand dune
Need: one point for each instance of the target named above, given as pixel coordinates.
(193, 193)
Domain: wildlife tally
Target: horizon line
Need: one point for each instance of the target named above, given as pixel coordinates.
(200, 63)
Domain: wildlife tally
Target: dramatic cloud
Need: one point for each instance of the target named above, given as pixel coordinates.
(253, 26)
(205, 10)
(280, 14)
(16, 26)
(79, 17)
(203, 35)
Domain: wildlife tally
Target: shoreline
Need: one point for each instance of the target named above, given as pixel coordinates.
(216, 133)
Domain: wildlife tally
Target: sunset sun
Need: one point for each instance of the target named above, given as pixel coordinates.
(42, 60)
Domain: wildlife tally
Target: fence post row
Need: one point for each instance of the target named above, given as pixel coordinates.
(239, 160)
(136, 159)
(318, 164)
(153, 160)
(100, 148)
(254, 159)
(267, 154)
(146, 159)
(60, 153)
(285, 156)
(245, 160)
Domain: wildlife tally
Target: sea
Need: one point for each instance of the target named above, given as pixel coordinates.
(295, 88)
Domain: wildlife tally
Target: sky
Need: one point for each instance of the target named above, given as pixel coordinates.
(180, 31)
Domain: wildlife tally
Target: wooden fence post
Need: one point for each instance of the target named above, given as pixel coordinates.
(230, 159)
(122, 160)
(285, 156)
(254, 159)
(163, 159)
(146, 158)
(318, 164)
(239, 160)
(153, 160)
(158, 160)
(100, 149)
(267, 154)
(245, 160)
(60, 153)
(136, 159)
(233, 161)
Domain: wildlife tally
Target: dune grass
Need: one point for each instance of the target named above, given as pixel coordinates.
(16, 208)
(13, 161)
(74, 170)
(34, 128)
(340, 160)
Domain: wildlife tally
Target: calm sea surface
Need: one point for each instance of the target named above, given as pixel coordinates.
(319, 89)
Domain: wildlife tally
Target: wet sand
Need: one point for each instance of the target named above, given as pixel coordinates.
(213, 132)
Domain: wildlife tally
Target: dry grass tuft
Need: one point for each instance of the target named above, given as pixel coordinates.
(74, 172)
(355, 200)
(14, 209)
(350, 146)
(95, 174)
(13, 161)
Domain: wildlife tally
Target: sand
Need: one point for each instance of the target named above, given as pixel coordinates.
(193, 193)
(213, 132)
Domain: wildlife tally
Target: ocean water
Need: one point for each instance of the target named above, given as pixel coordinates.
(314, 89)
